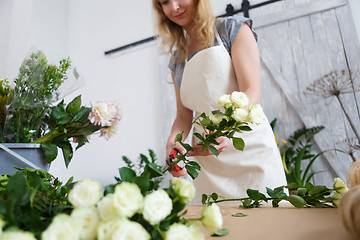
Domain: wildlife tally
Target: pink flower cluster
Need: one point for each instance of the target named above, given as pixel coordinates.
(107, 114)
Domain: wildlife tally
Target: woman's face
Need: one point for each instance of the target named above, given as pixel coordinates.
(180, 12)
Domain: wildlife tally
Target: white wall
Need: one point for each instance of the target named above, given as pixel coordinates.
(83, 30)
(129, 77)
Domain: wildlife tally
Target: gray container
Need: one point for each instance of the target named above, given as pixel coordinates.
(21, 155)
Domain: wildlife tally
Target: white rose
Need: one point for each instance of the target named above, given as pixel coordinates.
(336, 199)
(106, 208)
(216, 118)
(104, 113)
(240, 115)
(157, 206)
(105, 229)
(212, 218)
(340, 186)
(127, 199)
(183, 188)
(195, 231)
(62, 227)
(128, 230)
(256, 114)
(178, 231)
(87, 220)
(239, 99)
(224, 101)
(85, 193)
(17, 235)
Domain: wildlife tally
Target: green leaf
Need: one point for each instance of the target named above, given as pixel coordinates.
(187, 147)
(296, 201)
(81, 141)
(302, 191)
(239, 215)
(127, 174)
(309, 186)
(270, 192)
(275, 202)
(214, 196)
(203, 198)
(205, 122)
(214, 150)
(60, 115)
(238, 143)
(245, 128)
(195, 165)
(50, 151)
(67, 151)
(74, 105)
(220, 233)
(199, 136)
(292, 186)
(318, 189)
(253, 194)
(81, 115)
(179, 137)
(156, 169)
(192, 171)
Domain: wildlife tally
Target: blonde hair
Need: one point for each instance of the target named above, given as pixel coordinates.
(173, 35)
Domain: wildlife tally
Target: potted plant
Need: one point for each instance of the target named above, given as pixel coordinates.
(33, 117)
(298, 148)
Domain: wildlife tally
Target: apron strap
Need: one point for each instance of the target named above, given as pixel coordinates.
(218, 39)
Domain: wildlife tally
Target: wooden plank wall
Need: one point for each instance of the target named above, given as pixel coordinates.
(300, 41)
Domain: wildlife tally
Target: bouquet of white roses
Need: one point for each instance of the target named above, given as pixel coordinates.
(135, 207)
(236, 117)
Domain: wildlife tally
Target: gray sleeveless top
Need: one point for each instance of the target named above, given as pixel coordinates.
(227, 28)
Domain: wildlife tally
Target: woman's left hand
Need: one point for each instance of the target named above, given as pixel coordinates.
(199, 152)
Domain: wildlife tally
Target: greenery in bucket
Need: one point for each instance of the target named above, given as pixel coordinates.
(31, 111)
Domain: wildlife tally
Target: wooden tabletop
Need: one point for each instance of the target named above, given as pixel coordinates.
(282, 223)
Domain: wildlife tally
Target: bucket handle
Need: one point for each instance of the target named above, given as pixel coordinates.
(21, 158)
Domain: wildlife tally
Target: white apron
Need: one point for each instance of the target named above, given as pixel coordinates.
(208, 75)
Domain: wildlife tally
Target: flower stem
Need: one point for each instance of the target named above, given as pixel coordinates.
(48, 137)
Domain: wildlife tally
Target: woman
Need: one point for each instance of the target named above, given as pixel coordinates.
(215, 57)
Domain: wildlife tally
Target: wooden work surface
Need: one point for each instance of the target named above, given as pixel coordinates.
(282, 223)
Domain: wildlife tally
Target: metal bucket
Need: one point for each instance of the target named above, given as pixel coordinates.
(21, 155)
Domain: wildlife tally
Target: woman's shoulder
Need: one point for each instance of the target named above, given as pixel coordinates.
(228, 28)
(230, 20)
(231, 25)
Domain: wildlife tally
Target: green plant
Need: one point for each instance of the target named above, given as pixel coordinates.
(30, 100)
(29, 113)
(30, 198)
(299, 148)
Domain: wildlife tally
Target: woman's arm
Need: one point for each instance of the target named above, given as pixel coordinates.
(246, 61)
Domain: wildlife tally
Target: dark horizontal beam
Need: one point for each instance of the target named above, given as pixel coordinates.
(130, 45)
(229, 11)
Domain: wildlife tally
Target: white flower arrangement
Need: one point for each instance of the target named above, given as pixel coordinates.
(85, 194)
(236, 117)
(17, 235)
(157, 206)
(127, 199)
(184, 189)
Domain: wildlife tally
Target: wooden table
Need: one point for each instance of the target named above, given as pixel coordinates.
(285, 222)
